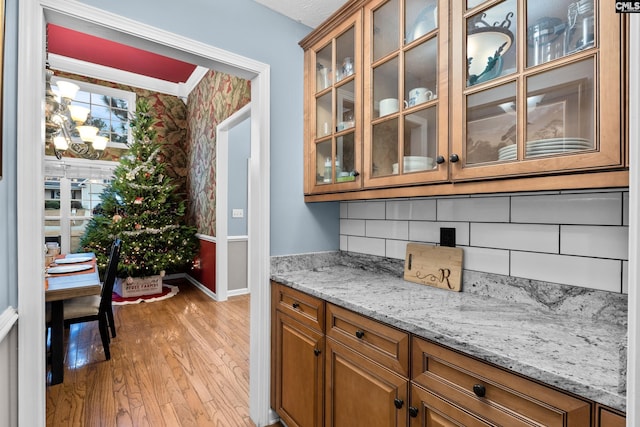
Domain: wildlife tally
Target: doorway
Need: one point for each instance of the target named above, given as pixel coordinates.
(74, 15)
(233, 151)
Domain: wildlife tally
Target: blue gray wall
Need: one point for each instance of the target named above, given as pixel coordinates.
(8, 237)
(247, 28)
(239, 152)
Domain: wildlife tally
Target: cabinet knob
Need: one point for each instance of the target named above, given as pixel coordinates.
(398, 403)
(359, 334)
(295, 305)
(440, 160)
(454, 158)
(317, 351)
(413, 411)
(355, 173)
(479, 390)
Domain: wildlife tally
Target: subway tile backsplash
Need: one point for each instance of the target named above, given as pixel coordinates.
(574, 238)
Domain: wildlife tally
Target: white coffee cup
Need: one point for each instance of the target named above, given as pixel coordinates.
(388, 106)
(419, 95)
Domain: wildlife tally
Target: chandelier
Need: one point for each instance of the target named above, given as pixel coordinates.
(65, 123)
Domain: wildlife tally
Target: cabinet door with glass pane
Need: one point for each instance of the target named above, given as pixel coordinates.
(405, 92)
(536, 87)
(333, 126)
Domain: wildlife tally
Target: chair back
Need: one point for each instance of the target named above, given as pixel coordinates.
(110, 275)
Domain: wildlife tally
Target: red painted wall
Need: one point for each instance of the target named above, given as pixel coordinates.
(204, 271)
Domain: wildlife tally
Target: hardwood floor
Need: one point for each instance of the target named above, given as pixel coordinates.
(183, 361)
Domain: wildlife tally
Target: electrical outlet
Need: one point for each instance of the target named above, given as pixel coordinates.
(237, 213)
(448, 237)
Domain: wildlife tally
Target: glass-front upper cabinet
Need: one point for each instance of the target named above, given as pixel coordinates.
(536, 87)
(333, 100)
(405, 64)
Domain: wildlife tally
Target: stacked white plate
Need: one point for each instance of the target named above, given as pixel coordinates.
(414, 164)
(545, 147)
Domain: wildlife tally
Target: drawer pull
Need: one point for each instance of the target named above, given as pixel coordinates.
(296, 305)
(398, 403)
(360, 334)
(479, 390)
(317, 351)
(413, 411)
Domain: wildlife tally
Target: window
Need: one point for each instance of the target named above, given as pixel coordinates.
(72, 197)
(109, 108)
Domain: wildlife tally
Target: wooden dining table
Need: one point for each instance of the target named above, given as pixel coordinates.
(63, 286)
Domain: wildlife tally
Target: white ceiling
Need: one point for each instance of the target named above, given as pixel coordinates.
(309, 12)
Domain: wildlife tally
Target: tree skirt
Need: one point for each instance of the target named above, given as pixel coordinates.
(167, 292)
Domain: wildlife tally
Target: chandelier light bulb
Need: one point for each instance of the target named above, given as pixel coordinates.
(100, 143)
(78, 114)
(87, 133)
(67, 90)
(60, 143)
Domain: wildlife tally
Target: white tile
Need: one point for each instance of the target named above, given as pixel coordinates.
(396, 249)
(525, 237)
(625, 277)
(344, 209)
(625, 208)
(427, 231)
(487, 260)
(366, 210)
(595, 241)
(365, 245)
(480, 209)
(398, 209)
(352, 227)
(423, 210)
(594, 273)
(344, 243)
(587, 208)
(398, 230)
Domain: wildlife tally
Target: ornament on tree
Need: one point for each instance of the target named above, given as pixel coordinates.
(131, 176)
(138, 200)
(116, 218)
(138, 226)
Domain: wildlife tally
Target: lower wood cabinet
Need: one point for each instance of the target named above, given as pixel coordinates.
(493, 394)
(608, 418)
(364, 373)
(298, 362)
(360, 392)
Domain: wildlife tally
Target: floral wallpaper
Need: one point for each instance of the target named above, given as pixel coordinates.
(216, 97)
(170, 125)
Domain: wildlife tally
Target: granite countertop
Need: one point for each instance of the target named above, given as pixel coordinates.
(571, 338)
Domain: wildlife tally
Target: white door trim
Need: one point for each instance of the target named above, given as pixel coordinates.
(76, 15)
(222, 199)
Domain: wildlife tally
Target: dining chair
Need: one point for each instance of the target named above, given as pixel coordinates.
(96, 307)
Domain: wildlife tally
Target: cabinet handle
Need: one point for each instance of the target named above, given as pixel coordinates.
(454, 158)
(413, 411)
(479, 390)
(295, 305)
(398, 403)
(317, 351)
(360, 334)
(440, 160)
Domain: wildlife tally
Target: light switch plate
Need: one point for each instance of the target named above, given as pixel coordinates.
(237, 213)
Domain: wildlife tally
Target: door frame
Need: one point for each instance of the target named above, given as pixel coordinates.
(222, 201)
(33, 16)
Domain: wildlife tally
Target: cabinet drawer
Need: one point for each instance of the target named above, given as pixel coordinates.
(429, 410)
(381, 343)
(492, 393)
(607, 418)
(300, 306)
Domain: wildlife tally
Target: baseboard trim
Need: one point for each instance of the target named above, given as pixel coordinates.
(194, 282)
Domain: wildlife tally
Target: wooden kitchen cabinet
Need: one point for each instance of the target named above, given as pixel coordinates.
(493, 394)
(360, 392)
(334, 367)
(297, 357)
(609, 418)
(433, 115)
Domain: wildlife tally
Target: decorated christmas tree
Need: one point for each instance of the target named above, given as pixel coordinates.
(142, 208)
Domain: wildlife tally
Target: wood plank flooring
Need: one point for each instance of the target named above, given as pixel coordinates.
(179, 362)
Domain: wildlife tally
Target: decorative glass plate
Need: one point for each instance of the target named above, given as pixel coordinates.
(63, 269)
